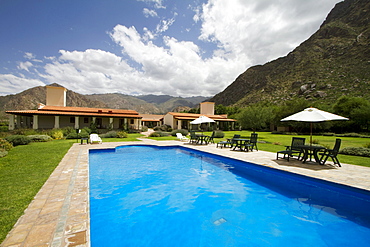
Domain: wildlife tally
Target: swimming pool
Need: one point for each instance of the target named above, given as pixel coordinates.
(174, 196)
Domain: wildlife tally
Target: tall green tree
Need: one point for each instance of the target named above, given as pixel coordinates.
(255, 117)
(357, 110)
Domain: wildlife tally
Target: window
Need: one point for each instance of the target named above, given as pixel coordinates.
(86, 120)
(72, 120)
(132, 121)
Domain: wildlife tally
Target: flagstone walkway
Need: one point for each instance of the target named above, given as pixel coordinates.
(59, 213)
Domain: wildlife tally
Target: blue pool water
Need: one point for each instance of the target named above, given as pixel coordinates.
(175, 196)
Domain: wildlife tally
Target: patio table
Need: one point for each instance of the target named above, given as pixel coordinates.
(310, 150)
(240, 143)
(201, 138)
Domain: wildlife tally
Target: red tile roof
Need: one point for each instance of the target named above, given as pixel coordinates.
(78, 111)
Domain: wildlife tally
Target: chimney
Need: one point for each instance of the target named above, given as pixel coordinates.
(207, 108)
(56, 96)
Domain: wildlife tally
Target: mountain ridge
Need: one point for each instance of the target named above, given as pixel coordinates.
(333, 61)
(29, 99)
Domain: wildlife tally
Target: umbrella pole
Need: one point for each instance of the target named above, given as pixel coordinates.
(311, 133)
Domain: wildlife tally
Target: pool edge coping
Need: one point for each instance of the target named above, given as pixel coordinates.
(78, 233)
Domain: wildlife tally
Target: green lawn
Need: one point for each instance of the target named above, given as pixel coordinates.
(26, 168)
(276, 143)
(23, 172)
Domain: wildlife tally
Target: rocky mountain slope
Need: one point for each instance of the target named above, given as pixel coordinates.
(334, 61)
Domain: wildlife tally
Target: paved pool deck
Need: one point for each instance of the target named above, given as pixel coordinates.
(59, 213)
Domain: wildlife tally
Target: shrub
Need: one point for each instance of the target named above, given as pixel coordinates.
(5, 145)
(69, 130)
(219, 134)
(109, 134)
(163, 127)
(40, 138)
(349, 135)
(74, 135)
(144, 128)
(328, 134)
(182, 131)
(357, 151)
(159, 134)
(4, 128)
(122, 134)
(367, 145)
(18, 139)
(57, 134)
(155, 134)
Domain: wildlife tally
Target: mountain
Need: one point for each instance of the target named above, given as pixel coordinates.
(30, 98)
(147, 104)
(334, 61)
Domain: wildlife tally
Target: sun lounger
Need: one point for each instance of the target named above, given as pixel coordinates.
(94, 138)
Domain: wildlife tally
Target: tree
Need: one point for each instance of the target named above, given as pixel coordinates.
(356, 109)
(255, 117)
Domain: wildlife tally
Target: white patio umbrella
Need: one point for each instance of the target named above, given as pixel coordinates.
(313, 115)
(202, 119)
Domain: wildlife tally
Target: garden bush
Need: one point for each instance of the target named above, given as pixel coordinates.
(144, 128)
(349, 135)
(164, 127)
(18, 139)
(40, 138)
(74, 135)
(328, 134)
(219, 134)
(155, 134)
(5, 145)
(109, 134)
(3, 128)
(182, 131)
(122, 134)
(69, 131)
(159, 134)
(367, 145)
(57, 134)
(357, 151)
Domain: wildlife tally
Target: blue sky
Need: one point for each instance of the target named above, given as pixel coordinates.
(175, 47)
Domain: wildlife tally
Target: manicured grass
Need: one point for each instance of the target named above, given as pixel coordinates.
(22, 173)
(26, 168)
(276, 143)
(130, 138)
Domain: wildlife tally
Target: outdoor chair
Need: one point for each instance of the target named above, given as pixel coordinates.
(228, 143)
(94, 138)
(181, 137)
(332, 153)
(210, 138)
(293, 149)
(193, 137)
(252, 142)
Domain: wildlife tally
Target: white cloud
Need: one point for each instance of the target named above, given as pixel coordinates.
(148, 12)
(25, 65)
(261, 30)
(10, 84)
(32, 57)
(165, 24)
(157, 3)
(245, 32)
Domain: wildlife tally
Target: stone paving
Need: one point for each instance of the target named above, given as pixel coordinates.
(59, 213)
